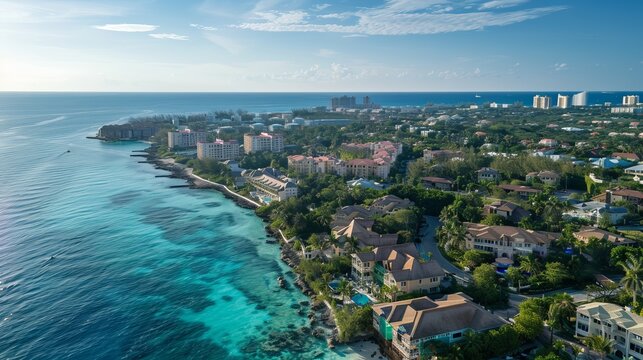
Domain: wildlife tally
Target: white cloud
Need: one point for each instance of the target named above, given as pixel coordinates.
(283, 18)
(33, 11)
(170, 36)
(203, 27)
(398, 17)
(326, 53)
(223, 42)
(501, 4)
(320, 7)
(559, 67)
(127, 27)
(340, 16)
(355, 36)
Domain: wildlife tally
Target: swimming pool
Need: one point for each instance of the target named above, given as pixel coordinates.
(360, 299)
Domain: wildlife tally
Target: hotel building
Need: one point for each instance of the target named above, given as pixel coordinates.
(185, 138)
(218, 150)
(263, 142)
(542, 102)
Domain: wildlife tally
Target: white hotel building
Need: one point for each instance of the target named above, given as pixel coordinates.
(613, 322)
(185, 138)
(218, 150)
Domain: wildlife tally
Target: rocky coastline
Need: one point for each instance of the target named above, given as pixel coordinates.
(320, 317)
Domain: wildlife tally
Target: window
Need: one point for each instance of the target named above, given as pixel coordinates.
(636, 348)
(583, 327)
(583, 316)
(420, 281)
(403, 283)
(620, 329)
(457, 335)
(596, 321)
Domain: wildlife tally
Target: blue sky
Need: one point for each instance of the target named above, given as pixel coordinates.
(298, 45)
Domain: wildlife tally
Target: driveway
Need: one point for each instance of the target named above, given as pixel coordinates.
(430, 244)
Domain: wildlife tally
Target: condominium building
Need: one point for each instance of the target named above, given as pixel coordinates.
(263, 142)
(405, 325)
(368, 168)
(508, 241)
(563, 101)
(270, 183)
(613, 322)
(185, 138)
(218, 150)
(307, 165)
(580, 99)
(542, 102)
(630, 100)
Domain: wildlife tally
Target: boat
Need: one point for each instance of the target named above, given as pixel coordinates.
(478, 96)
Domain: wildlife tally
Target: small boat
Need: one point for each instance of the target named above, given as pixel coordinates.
(68, 151)
(478, 96)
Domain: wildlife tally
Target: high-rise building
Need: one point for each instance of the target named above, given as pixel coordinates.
(218, 150)
(563, 101)
(185, 138)
(542, 102)
(366, 102)
(630, 100)
(347, 102)
(580, 99)
(263, 142)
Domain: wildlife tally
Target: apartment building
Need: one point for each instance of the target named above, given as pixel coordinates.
(613, 322)
(185, 138)
(270, 185)
(263, 142)
(218, 150)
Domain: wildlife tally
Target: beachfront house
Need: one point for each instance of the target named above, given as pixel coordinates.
(397, 267)
(404, 326)
(270, 184)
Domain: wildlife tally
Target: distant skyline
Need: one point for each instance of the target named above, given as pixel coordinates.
(326, 46)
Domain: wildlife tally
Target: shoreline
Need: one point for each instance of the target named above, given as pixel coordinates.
(320, 315)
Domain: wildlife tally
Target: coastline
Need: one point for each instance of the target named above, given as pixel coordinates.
(320, 313)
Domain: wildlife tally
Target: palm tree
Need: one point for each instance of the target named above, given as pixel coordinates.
(599, 344)
(560, 311)
(345, 289)
(633, 279)
(530, 264)
(452, 234)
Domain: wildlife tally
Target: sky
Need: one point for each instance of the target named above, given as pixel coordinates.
(300, 45)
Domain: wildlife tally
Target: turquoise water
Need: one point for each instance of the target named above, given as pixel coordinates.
(99, 259)
(360, 299)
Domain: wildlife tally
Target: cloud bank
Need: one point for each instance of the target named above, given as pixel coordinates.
(127, 27)
(400, 17)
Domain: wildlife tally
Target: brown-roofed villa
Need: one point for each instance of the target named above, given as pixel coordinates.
(397, 266)
(508, 241)
(406, 325)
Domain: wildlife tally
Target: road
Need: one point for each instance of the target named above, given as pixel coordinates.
(430, 245)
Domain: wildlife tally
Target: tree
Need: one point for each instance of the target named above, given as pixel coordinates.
(345, 289)
(472, 258)
(560, 312)
(452, 234)
(529, 325)
(530, 265)
(604, 221)
(485, 285)
(601, 345)
(493, 219)
(633, 278)
(603, 291)
(515, 275)
(556, 273)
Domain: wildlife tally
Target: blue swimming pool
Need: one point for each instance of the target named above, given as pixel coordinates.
(360, 299)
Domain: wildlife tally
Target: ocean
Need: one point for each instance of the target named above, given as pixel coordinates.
(100, 259)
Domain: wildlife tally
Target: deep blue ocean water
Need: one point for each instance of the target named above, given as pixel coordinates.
(99, 259)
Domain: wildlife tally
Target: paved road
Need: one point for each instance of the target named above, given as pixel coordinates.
(429, 244)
